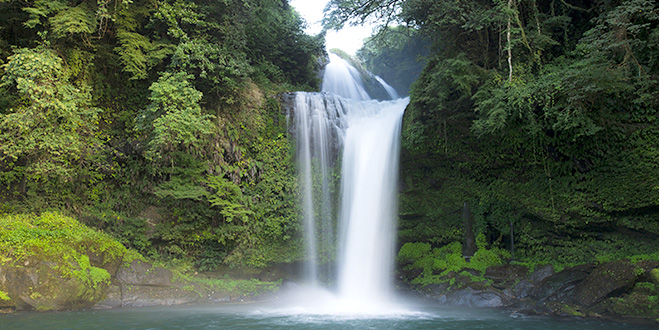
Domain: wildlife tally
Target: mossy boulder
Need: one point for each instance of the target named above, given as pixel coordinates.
(52, 262)
(634, 304)
(654, 275)
(42, 287)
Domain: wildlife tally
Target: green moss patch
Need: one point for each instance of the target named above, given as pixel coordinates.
(71, 262)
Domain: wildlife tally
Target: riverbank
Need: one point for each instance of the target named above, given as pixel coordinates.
(54, 263)
(621, 290)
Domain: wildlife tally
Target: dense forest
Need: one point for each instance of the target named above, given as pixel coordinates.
(160, 123)
(537, 117)
(157, 121)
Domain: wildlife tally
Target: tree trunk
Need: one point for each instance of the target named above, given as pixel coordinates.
(510, 51)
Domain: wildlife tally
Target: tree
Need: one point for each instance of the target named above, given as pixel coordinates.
(50, 130)
(173, 120)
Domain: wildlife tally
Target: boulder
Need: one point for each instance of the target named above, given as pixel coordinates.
(522, 289)
(634, 304)
(612, 278)
(654, 276)
(560, 286)
(36, 286)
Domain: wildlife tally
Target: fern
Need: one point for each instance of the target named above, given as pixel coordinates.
(138, 54)
(70, 21)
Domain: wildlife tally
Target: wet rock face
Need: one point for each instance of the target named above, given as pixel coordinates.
(478, 298)
(559, 286)
(541, 273)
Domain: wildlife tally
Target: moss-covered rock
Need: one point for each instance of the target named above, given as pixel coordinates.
(52, 262)
(655, 275)
(636, 303)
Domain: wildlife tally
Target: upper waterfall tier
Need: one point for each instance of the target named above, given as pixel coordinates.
(343, 79)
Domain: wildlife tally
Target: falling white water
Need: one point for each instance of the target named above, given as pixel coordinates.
(390, 90)
(369, 176)
(344, 124)
(320, 122)
(343, 79)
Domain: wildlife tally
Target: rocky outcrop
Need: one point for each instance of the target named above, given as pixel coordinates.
(37, 287)
(613, 289)
(140, 284)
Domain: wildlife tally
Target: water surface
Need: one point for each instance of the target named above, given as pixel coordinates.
(267, 316)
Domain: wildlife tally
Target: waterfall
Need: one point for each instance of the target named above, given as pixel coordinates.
(390, 90)
(343, 79)
(352, 224)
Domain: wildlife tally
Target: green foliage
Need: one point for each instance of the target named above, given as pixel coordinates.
(218, 70)
(411, 252)
(396, 55)
(42, 9)
(112, 109)
(563, 152)
(63, 241)
(173, 119)
(50, 129)
(228, 197)
(72, 21)
(340, 12)
(439, 265)
(138, 54)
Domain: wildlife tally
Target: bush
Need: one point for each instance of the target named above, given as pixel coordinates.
(440, 265)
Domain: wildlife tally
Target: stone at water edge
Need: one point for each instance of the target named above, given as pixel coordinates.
(36, 286)
(146, 296)
(469, 297)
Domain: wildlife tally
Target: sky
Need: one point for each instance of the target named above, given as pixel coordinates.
(349, 39)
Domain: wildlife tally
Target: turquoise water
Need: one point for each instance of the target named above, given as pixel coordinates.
(266, 316)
